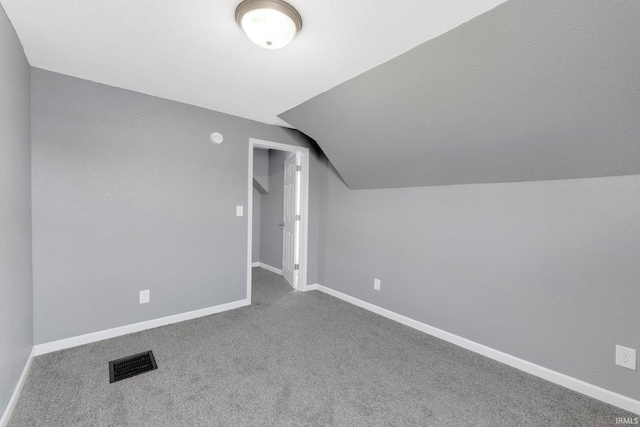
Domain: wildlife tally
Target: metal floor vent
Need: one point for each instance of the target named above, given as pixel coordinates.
(131, 366)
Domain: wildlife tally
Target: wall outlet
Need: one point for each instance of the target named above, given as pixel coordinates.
(145, 296)
(376, 284)
(626, 357)
(239, 210)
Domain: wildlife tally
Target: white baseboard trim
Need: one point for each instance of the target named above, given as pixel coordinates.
(136, 327)
(313, 287)
(571, 383)
(255, 264)
(4, 421)
(268, 267)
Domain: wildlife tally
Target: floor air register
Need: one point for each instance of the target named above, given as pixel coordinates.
(131, 366)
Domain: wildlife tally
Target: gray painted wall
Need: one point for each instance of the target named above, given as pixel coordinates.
(546, 271)
(260, 186)
(129, 194)
(271, 212)
(261, 170)
(531, 90)
(16, 292)
(255, 231)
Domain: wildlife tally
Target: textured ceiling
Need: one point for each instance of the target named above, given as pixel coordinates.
(192, 51)
(531, 90)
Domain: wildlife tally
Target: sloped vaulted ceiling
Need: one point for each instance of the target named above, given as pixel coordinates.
(532, 90)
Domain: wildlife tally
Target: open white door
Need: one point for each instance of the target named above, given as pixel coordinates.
(291, 221)
(297, 221)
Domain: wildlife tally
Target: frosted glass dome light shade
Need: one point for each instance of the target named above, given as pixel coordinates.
(270, 24)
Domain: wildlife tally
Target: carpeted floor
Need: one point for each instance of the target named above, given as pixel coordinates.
(294, 359)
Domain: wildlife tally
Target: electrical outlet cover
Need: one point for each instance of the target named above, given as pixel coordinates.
(144, 296)
(626, 357)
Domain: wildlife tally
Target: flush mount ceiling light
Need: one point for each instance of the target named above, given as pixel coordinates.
(271, 24)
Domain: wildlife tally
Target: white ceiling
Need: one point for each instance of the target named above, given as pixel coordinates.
(192, 51)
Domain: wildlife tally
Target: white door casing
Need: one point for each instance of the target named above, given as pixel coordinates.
(290, 213)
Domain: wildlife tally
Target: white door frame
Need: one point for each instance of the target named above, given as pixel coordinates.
(304, 206)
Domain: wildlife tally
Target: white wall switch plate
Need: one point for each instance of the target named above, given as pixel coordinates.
(145, 296)
(626, 357)
(239, 210)
(376, 284)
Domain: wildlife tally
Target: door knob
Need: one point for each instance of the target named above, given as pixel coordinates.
(282, 224)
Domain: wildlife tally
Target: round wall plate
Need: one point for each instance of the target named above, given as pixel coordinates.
(216, 138)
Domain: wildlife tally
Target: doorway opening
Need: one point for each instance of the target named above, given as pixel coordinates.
(295, 209)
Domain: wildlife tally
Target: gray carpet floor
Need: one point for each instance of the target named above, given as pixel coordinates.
(294, 359)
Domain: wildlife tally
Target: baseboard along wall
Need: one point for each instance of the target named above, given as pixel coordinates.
(267, 267)
(571, 383)
(136, 327)
(4, 420)
(312, 287)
